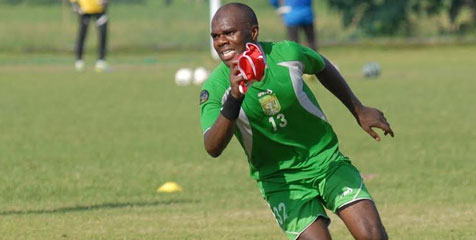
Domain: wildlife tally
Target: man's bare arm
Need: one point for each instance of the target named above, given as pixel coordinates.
(367, 117)
(219, 135)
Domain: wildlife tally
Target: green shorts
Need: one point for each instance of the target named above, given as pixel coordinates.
(296, 205)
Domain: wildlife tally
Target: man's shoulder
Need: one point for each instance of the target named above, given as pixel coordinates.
(283, 49)
(278, 45)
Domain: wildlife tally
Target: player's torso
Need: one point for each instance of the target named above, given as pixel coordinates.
(91, 6)
(300, 12)
(282, 125)
(271, 103)
(273, 107)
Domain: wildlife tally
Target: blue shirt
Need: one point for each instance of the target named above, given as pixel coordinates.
(300, 12)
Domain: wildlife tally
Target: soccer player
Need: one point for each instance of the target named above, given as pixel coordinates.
(87, 9)
(297, 15)
(292, 150)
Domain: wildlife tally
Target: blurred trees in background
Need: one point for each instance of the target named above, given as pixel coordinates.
(396, 17)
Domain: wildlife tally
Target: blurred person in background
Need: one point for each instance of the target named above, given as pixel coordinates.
(297, 15)
(87, 9)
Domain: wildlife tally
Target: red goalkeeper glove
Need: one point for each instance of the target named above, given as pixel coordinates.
(251, 65)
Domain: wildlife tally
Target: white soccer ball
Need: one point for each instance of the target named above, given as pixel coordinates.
(183, 77)
(200, 75)
(371, 70)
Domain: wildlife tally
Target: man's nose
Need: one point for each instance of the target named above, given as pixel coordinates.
(222, 40)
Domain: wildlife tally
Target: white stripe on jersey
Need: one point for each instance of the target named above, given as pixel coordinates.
(295, 72)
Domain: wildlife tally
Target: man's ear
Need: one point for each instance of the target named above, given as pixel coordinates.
(254, 33)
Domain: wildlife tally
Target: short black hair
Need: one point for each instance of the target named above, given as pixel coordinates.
(246, 12)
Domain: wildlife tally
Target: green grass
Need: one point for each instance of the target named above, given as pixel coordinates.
(82, 154)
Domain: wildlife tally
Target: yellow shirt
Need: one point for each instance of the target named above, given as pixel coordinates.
(90, 6)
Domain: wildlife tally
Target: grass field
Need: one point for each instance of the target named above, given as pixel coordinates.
(82, 154)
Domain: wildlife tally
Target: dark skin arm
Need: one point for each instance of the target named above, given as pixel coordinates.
(366, 117)
(219, 135)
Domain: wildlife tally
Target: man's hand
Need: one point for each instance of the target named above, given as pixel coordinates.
(77, 8)
(104, 4)
(369, 118)
(283, 10)
(235, 79)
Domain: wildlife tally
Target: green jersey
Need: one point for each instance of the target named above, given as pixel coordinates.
(281, 126)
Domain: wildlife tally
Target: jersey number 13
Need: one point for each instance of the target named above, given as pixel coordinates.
(280, 121)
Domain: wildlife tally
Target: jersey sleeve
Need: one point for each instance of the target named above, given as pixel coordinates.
(313, 62)
(211, 95)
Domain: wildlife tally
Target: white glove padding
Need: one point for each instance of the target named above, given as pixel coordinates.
(283, 10)
(77, 9)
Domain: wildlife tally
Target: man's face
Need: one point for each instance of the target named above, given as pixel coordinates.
(230, 35)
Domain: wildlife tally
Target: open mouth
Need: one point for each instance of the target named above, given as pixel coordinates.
(228, 54)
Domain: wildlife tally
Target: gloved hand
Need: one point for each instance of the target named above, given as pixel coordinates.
(251, 65)
(104, 4)
(283, 10)
(76, 8)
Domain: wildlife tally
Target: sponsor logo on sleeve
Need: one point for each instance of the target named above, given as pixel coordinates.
(203, 96)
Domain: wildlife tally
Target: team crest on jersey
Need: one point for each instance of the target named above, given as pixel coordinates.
(269, 102)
